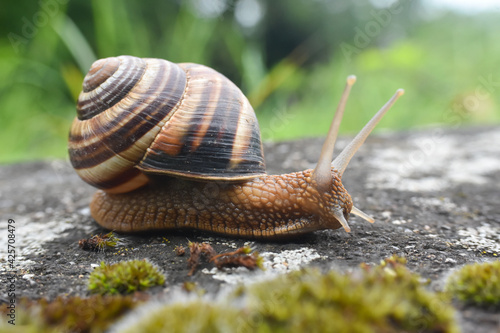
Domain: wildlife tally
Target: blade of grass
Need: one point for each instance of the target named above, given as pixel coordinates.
(75, 42)
(191, 36)
(284, 69)
(105, 27)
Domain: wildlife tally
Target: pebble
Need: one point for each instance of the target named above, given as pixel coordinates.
(84, 211)
(386, 214)
(440, 247)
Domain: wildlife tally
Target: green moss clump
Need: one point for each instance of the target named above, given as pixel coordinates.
(477, 284)
(197, 316)
(92, 314)
(73, 314)
(386, 298)
(25, 321)
(125, 277)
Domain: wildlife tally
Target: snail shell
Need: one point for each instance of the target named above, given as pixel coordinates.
(138, 117)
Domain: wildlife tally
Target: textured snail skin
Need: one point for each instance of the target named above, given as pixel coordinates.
(273, 206)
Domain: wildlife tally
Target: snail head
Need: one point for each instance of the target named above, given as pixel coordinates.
(327, 175)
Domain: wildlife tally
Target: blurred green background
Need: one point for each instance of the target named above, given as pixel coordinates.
(290, 57)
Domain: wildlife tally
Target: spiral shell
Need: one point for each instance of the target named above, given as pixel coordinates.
(139, 117)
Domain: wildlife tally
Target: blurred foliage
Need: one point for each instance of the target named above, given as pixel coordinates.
(290, 57)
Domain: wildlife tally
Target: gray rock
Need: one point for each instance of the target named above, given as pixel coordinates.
(434, 194)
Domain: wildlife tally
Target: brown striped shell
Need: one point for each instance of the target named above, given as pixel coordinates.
(139, 117)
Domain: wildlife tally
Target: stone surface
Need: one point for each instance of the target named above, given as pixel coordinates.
(435, 196)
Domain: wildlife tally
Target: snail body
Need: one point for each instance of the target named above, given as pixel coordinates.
(175, 146)
(274, 205)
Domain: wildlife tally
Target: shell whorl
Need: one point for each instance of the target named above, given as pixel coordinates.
(149, 116)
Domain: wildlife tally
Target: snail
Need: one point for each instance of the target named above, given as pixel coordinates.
(174, 146)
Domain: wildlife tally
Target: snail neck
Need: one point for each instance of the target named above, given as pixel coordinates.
(290, 203)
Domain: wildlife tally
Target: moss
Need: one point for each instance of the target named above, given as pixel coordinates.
(25, 321)
(386, 298)
(73, 314)
(92, 314)
(179, 250)
(477, 284)
(193, 317)
(242, 257)
(125, 277)
(99, 243)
